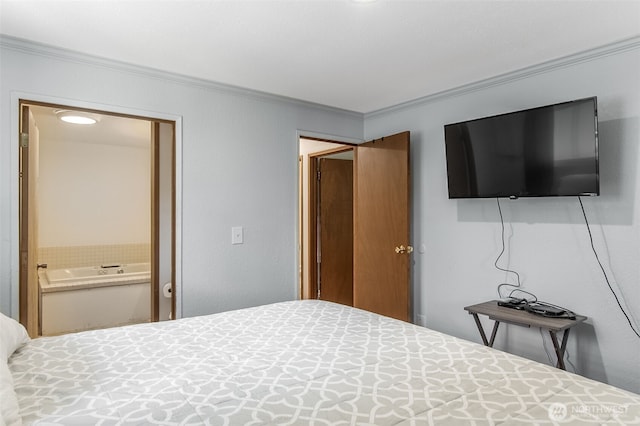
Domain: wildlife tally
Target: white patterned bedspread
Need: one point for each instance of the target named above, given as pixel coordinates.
(305, 362)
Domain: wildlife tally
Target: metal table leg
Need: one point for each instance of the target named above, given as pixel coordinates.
(560, 349)
(482, 333)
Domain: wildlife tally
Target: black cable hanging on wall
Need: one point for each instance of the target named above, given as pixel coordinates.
(517, 287)
(604, 273)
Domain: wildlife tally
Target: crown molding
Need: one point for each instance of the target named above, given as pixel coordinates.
(618, 47)
(58, 53)
(41, 49)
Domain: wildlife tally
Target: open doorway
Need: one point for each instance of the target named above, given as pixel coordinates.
(379, 242)
(97, 219)
(326, 215)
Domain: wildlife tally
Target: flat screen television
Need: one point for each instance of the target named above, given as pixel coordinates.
(539, 152)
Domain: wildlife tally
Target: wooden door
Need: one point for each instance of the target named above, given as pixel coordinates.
(381, 225)
(335, 243)
(28, 228)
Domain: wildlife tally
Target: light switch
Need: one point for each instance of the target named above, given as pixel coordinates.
(237, 235)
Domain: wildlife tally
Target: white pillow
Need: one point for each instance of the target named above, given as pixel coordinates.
(12, 336)
(9, 410)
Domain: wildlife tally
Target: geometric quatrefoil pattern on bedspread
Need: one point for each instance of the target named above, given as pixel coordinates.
(298, 363)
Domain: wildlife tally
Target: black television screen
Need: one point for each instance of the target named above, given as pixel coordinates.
(538, 152)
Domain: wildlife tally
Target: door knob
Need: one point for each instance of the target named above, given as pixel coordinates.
(402, 249)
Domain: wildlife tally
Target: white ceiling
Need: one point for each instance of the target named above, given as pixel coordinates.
(357, 56)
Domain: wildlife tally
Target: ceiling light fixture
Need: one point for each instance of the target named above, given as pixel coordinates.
(76, 117)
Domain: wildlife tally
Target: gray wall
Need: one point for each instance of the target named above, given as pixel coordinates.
(239, 168)
(547, 241)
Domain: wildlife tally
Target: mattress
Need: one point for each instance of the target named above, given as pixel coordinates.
(303, 362)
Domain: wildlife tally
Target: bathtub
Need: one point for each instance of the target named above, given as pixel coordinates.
(94, 276)
(87, 298)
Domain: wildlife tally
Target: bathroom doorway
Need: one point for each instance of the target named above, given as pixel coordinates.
(97, 219)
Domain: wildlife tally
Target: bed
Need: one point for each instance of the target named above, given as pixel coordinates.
(302, 362)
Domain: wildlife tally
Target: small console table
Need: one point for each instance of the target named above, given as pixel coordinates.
(525, 319)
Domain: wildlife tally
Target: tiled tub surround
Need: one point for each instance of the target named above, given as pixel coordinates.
(79, 256)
